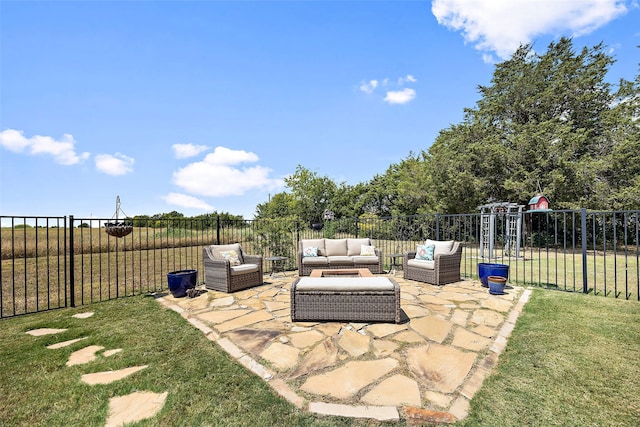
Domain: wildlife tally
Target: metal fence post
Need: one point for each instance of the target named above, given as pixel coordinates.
(218, 230)
(72, 266)
(583, 225)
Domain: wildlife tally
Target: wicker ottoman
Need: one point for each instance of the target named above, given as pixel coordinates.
(349, 299)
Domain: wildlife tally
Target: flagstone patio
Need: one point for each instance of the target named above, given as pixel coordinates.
(426, 369)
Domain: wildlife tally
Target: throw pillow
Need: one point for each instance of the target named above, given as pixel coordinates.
(366, 250)
(424, 252)
(231, 256)
(311, 251)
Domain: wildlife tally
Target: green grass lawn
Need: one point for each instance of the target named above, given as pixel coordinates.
(206, 388)
(572, 360)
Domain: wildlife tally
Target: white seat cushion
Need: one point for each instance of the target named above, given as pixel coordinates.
(344, 284)
(422, 264)
(340, 260)
(354, 246)
(441, 246)
(318, 243)
(316, 260)
(336, 247)
(243, 269)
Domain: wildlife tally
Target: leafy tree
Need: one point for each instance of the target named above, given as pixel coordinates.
(279, 206)
(311, 193)
(618, 184)
(540, 124)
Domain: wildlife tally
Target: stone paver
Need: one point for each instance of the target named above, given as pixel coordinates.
(246, 320)
(110, 376)
(305, 339)
(85, 355)
(469, 340)
(352, 377)
(427, 368)
(380, 413)
(432, 328)
(283, 356)
(65, 343)
(84, 315)
(253, 341)
(396, 391)
(44, 331)
(134, 407)
(441, 368)
(354, 343)
(321, 356)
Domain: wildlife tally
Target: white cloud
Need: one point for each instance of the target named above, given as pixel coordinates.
(186, 201)
(500, 26)
(408, 78)
(227, 156)
(215, 176)
(62, 151)
(400, 96)
(183, 151)
(368, 87)
(114, 164)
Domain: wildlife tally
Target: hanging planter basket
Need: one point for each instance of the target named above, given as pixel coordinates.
(118, 229)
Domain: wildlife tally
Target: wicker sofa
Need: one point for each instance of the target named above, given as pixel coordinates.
(443, 269)
(364, 299)
(222, 275)
(337, 254)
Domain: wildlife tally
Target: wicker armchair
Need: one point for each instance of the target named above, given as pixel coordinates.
(445, 267)
(221, 275)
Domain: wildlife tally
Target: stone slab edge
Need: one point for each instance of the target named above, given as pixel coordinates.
(380, 413)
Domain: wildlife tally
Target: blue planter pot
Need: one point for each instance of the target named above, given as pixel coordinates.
(180, 281)
(496, 284)
(486, 269)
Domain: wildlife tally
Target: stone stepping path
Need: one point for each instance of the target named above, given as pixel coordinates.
(426, 369)
(122, 409)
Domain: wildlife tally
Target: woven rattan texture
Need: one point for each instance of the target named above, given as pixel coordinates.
(219, 276)
(446, 268)
(360, 306)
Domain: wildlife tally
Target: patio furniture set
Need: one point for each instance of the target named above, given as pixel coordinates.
(337, 276)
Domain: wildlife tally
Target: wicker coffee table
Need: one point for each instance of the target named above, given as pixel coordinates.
(345, 298)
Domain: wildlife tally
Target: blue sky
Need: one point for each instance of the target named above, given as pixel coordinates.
(202, 106)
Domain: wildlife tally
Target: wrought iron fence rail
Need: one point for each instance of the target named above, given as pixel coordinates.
(55, 262)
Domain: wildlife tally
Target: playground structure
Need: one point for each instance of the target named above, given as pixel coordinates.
(512, 230)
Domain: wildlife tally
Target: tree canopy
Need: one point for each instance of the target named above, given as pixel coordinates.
(547, 122)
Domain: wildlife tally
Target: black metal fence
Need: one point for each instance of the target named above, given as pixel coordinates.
(54, 262)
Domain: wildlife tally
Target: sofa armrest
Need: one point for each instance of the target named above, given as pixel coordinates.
(211, 264)
(252, 259)
(452, 258)
(410, 255)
